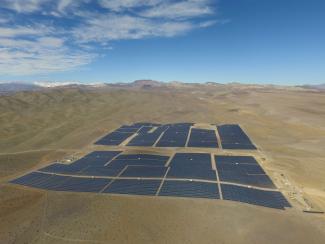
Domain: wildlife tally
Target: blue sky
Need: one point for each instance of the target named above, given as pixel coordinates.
(89, 41)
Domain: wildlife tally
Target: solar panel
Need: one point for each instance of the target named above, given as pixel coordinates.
(52, 182)
(250, 169)
(137, 187)
(203, 144)
(239, 146)
(202, 138)
(83, 184)
(139, 142)
(130, 126)
(189, 189)
(233, 137)
(144, 171)
(242, 170)
(63, 169)
(152, 157)
(271, 199)
(174, 136)
(97, 158)
(252, 180)
(121, 163)
(114, 138)
(127, 130)
(139, 124)
(191, 173)
(103, 154)
(192, 160)
(172, 142)
(180, 126)
(235, 159)
(33, 179)
(100, 171)
(147, 138)
(145, 129)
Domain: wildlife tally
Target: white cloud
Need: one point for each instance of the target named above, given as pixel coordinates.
(183, 9)
(48, 36)
(21, 31)
(62, 4)
(23, 5)
(41, 55)
(3, 20)
(25, 62)
(118, 5)
(118, 27)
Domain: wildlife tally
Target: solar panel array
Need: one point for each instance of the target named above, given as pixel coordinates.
(175, 135)
(203, 138)
(183, 175)
(233, 137)
(242, 170)
(178, 135)
(137, 187)
(191, 166)
(118, 136)
(271, 199)
(147, 138)
(189, 189)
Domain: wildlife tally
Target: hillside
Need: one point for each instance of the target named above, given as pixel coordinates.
(37, 127)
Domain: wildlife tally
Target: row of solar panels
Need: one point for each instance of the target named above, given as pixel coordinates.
(174, 188)
(235, 169)
(176, 135)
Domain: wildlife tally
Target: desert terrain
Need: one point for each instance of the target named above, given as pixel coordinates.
(287, 124)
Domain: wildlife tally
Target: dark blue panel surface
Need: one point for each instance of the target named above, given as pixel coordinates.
(206, 144)
(144, 129)
(269, 199)
(114, 138)
(152, 157)
(233, 137)
(250, 169)
(33, 179)
(174, 136)
(202, 138)
(189, 189)
(144, 171)
(100, 171)
(242, 170)
(239, 146)
(96, 159)
(241, 178)
(83, 184)
(127, 129)
(139, 124)
(121, 163)
(103, 154)
(41, 180)
(137, 187)
(146, 138)
(130, 127)
(236, 159)
(191, 173)
(192, 160)
(63, 169)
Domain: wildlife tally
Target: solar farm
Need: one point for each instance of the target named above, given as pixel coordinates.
(177, 135)
(189, 161)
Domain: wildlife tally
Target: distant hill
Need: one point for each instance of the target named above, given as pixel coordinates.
(314, 87)
(13, 87)
(146, 84)
(7, 88)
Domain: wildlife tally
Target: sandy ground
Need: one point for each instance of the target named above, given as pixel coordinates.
(286, 124)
